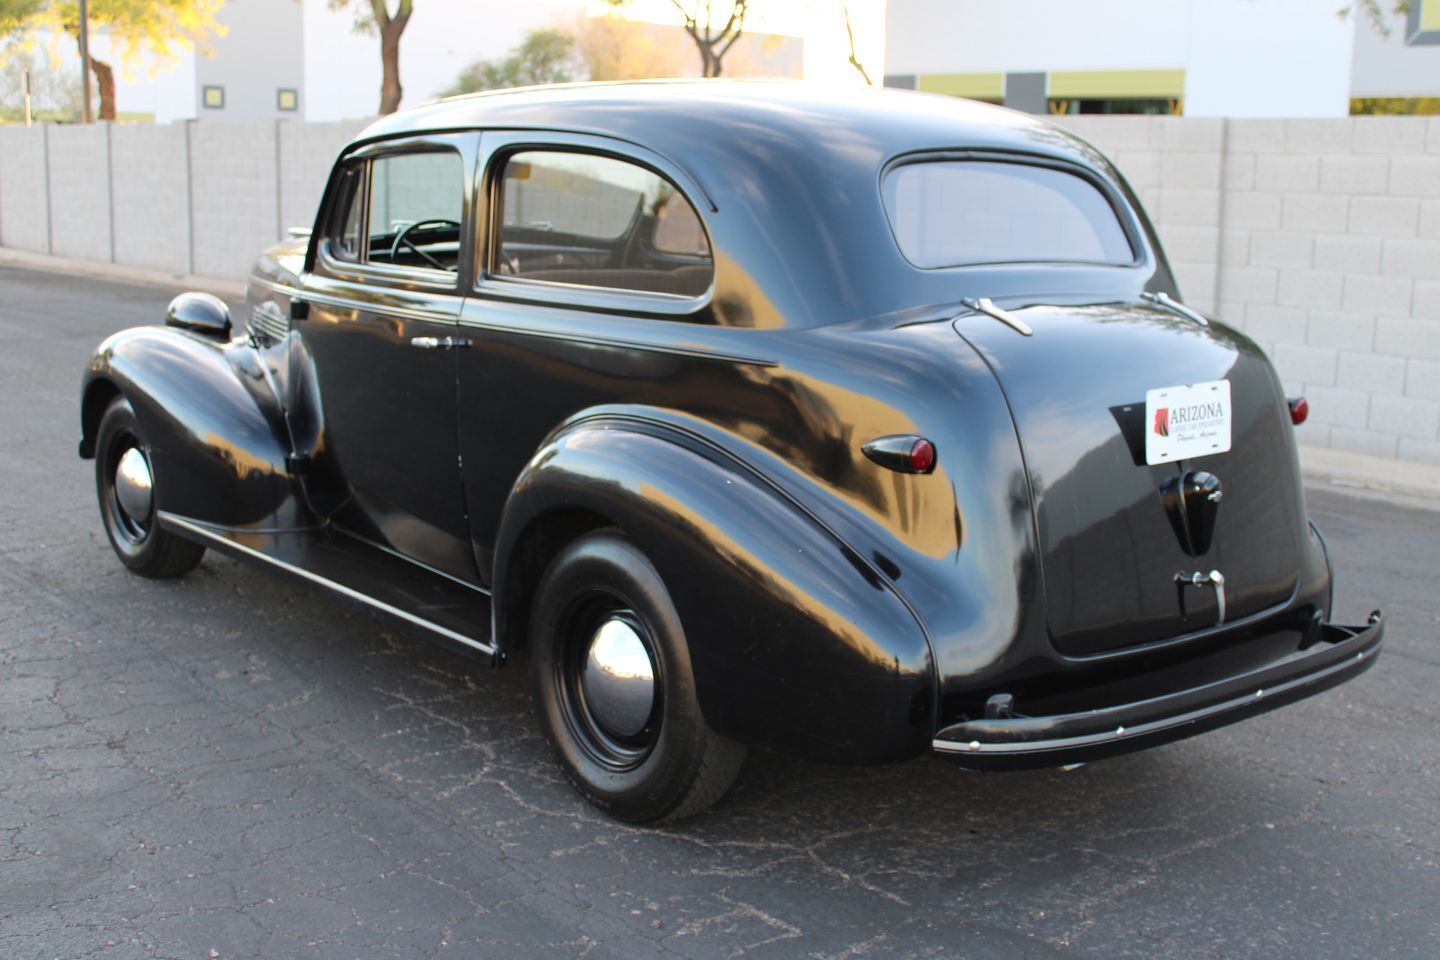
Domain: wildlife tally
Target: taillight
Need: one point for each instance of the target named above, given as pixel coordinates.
(904, 453)
(1299, 409)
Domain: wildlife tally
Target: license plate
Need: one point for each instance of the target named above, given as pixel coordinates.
(1187, 421)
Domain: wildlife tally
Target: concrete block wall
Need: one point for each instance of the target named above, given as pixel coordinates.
(151, 197)
(1325, 249)
(80, 224)
(183, 198)
(24, 189)
(234, 194)
(1318, 238)
(307, 152)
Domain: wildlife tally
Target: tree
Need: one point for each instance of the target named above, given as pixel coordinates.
(711, 43)
(15, 15)
(850, 34)
(1375, 14)
(160, 27)
(613, 48)
(546, 55)
(54, 94)
(375, 16)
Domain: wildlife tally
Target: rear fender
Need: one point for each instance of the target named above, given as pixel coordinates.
(795, 642)
(209, 413)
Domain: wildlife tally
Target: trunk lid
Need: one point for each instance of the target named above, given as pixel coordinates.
(1110, 550)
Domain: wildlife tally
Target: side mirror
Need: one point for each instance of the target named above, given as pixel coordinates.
(200, 312)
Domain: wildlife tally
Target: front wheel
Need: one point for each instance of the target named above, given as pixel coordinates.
(125, 485)
(614, 689)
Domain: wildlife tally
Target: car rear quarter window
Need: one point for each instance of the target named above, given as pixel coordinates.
(597, 221)
(948, 213)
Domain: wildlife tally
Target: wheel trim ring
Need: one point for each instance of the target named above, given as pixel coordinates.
(133, 529)
(615, 753)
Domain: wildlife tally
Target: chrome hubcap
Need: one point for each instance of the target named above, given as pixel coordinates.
(618, 679)
(133, 484)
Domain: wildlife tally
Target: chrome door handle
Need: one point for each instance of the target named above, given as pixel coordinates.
(439, 343)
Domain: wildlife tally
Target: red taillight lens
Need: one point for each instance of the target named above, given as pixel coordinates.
(1299, 409)
(922, 456)
(904, 453)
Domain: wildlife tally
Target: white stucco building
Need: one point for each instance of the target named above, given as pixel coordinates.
(1234, 58)
(302, 59)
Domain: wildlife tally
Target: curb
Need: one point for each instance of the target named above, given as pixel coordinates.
(1417, 483)
(228, 289)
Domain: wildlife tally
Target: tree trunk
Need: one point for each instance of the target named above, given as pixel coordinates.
(390, 91)
(105, 84)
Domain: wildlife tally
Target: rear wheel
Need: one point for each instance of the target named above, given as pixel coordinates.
(614, 689)
(125, 485)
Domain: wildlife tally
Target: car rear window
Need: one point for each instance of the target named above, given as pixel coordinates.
(580, 218)
(949, 213)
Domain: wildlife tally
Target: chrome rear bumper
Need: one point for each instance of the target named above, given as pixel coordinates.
(1018, 742)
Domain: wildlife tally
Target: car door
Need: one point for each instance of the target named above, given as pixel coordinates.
(595, 289)
(380, 311)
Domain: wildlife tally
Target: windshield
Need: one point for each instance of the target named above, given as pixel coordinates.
(948, 213)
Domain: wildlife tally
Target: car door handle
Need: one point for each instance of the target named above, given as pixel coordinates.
(439, 343)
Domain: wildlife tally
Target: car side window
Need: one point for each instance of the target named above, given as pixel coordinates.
(415, 209)
(347, 244)
(401, 210)
(597, 221)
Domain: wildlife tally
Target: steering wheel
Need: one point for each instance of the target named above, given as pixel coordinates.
(403, 237)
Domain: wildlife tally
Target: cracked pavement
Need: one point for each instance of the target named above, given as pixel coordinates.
(231, 765)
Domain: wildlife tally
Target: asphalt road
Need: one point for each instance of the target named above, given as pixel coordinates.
(232, 766)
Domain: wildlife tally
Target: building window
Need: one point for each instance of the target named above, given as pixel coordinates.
(287, 99)
(213, 97)
(1154, 106)
(1422, 23)
(1389, 106)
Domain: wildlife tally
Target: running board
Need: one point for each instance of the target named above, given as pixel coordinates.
(453, 613)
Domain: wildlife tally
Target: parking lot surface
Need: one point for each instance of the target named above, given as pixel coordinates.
(230, 765)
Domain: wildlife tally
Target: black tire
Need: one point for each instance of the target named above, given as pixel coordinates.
(674, 767)
(139, 541)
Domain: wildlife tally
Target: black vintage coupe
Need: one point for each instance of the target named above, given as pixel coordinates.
(860, 427)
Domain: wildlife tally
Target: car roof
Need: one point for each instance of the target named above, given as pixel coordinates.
(672, 114)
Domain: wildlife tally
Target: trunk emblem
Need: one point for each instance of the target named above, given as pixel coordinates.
(1191, 499)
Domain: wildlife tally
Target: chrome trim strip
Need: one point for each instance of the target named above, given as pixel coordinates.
(191, 526)
(579, 296)
(1154, 726)
(697, 352)
(392, 310)
(439, 281)
(483, 591)
(269, 284)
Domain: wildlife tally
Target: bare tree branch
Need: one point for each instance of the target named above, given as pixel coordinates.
(854, 60)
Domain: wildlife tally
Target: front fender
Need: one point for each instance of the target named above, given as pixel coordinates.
(795, 642)
(213, 424)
